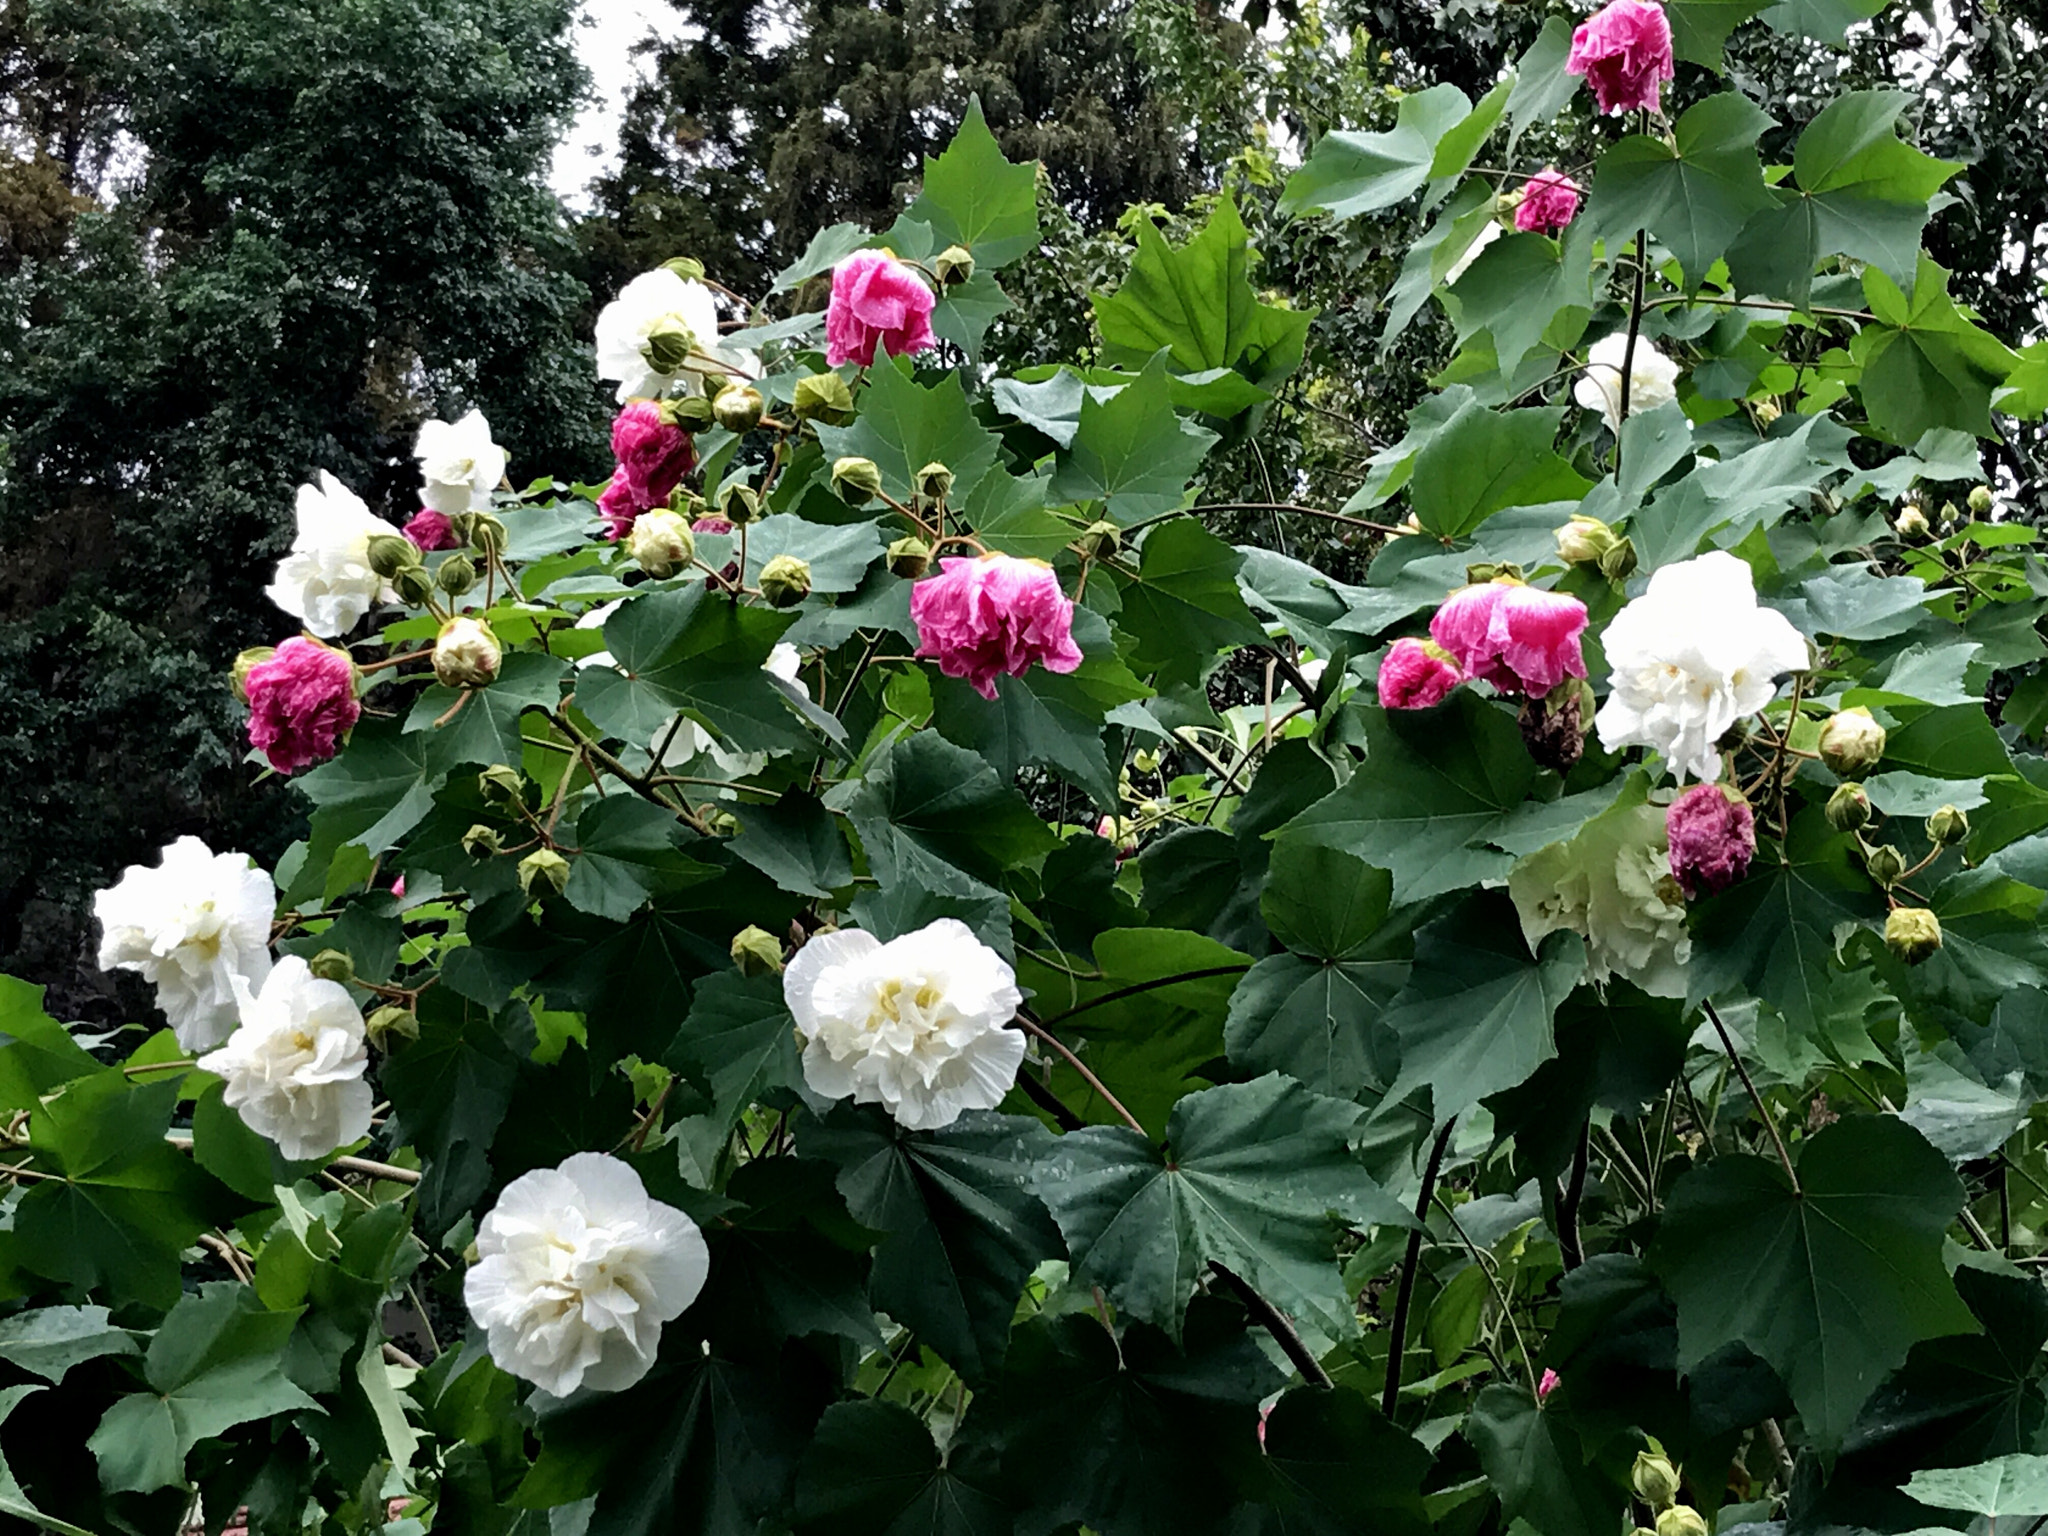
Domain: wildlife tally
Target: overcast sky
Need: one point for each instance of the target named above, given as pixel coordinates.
(605, 35)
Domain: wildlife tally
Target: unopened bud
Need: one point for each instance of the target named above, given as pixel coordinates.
(1848, 808)
(857, 481)
(692, 413)
(1655, 1479)
(502, 784)
(467, 654)
(1912, 933)
(738, 408)
(546, 868)
(822, 397)
(955, 264)
(756, 952)
(390, 553)
(1980, 500)
(659, 542)
(1911, 523)
(486, 533)
(1947, 827)
(332, 965)
(247, 662)
(413, 586)
(1619, 563)
(481, 841)
(934, 482)
(1681, 1520)
(1767, 411)
(1851, 742)
(1145, 760)
(1100, 540)
(721, 823)
(739, 503)
(391, 1026)
(1584, 539)
(688, 268)
(1885, 864)
(910, 557)
(456, 575)
(786, 581)
(670, 345)
(1949, 515)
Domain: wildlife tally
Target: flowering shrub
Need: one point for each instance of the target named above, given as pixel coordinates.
(872, 974)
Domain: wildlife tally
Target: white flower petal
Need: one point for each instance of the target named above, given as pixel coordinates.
(294, 1069)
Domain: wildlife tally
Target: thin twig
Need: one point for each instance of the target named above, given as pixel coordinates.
(1771, 1125)
(1275, 1323)
(1032, 1027)
(376, 1170)
(1485, 1262)
(1294, 506)
(1410, 1261)
(1148, 986)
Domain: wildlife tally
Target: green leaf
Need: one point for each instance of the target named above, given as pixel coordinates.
(904, 425)
(2006, 1485)
(1535, 1465)
(1825, 21)
(872, 1470)
(966, 310)
(628, 850)
(796, 843)
(2025, 391)
(1250, 1177)
(975, 197)
(450, 1089)
(790, 1261)
(486, 729)
(964, 1227)
(738, 1043)
(1131, 452)
(1700, 28)
(1481, 461)
(1542, 86)
(1695, 194)
(1335, 1466)
(1992, 947)
(1926, 365)
(828, 247)
(1184, 605)
(838, 554)
(37, 1053)
(933, 814)
(376, 791)
(1352, 173)
(218, 1361)
(1829, 1285)
(1520, 291)
(50, 1340)
(1734, 495)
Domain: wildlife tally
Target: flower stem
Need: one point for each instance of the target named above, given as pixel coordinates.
(1410, 1262)
(1034, 1028)
(1771, 1125)
(1275, 1322)
(1628, 351)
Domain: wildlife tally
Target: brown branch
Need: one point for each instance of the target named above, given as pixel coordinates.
(1410, 1262)
(1771, 1125)
(1275, 1323)
(1033, 1027)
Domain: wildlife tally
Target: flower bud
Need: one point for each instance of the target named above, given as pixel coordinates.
(1980, 500)
(1947, 827)
(1885, 864)
(756, 952)
(739, 503)
(688, 268)
(1949, 515)
(1145, 760)
(391, 553)
(466, 654)
(692, 413)
(721, 823)
(546, 868)
(669, 345)
(857, 481)
(1619, 563)
(247, 662)
(1584, 539)
(413, 586)
(786, 581)
(738, 408)
(501, 784)
(934, 482)
(659, 542)
(910, 557)
(1655, 1479)
(1851, 742)
(822, 397)
(486, 533)
(392, 1026)
(1767, 411)
(456, 575)
(1912, 933)
(1848, 808)
(481, 841)
(1100, 540)
(1911, 523)
(955, 264)
(1681, 1520)
(333, 965)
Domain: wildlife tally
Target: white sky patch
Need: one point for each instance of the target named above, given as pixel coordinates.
(606, 32)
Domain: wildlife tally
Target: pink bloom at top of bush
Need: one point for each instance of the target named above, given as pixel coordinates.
(1624, 51)
(301, 701)
(992, 615)
(431, 530)
(653, 454)
(876, 298)
(1519, 638)
(1713, 838)
(1417, 674)
(1550, 200)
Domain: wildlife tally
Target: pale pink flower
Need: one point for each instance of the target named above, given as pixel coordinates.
(1624, 51)
(985, 617)
(876, 298)
(1550, 200)
(1417, 674)
(431, 530)
(1712, 837)
(301, 702)
(1519, 638)
(653, 454)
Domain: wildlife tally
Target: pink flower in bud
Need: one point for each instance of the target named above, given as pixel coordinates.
(653, 454)
(1417, 674)
(398, 888)
(1547, 1385)
(876, 298)
(1624, 51)
(618, 509)
(1519, 638)
(431, 530)
(1265, 1413)
(1713, 838)
(1550, 200)
(711, 525)
(301, 702)
(985, 617)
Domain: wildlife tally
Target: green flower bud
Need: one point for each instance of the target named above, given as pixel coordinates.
(722, 823)
(501, 784)
(1848, 808)
(1885, 864)
(481, 841)
(546, 868)
(786, 581)
(739, 503)
(486, 533)
(1947, 827)
(391, 1026)
(693, 413)
(1912, 933)
(1584, 539)
(1619, 563)
(738, 408)
(1145, 760)
(934, 482)
(670, 345)
(391, 553)
(857, 481)
(1100, 540)
(1911, 523)
(823, 397)
(1681, 1520)
(659, 542)
(910, 557)
(688, 268)
(756, 952)
(456, 575)
(413, 586)
(955, 264)
(1852, 742)
(332, 965)
(247, 662)
(1655, 1479)
(1949, 515)
(467, 654)
(1980, 500)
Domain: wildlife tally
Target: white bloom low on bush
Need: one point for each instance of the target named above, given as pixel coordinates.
(294, 1069)
(1653, 378)
(1612, 885)
(194, 926)
(325, 582)
(459, 464)
(1689, 658)
(578, 1269)
(916, 1024)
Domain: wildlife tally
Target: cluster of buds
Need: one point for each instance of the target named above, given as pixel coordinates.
(1657, 1484)
(1587, 541)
